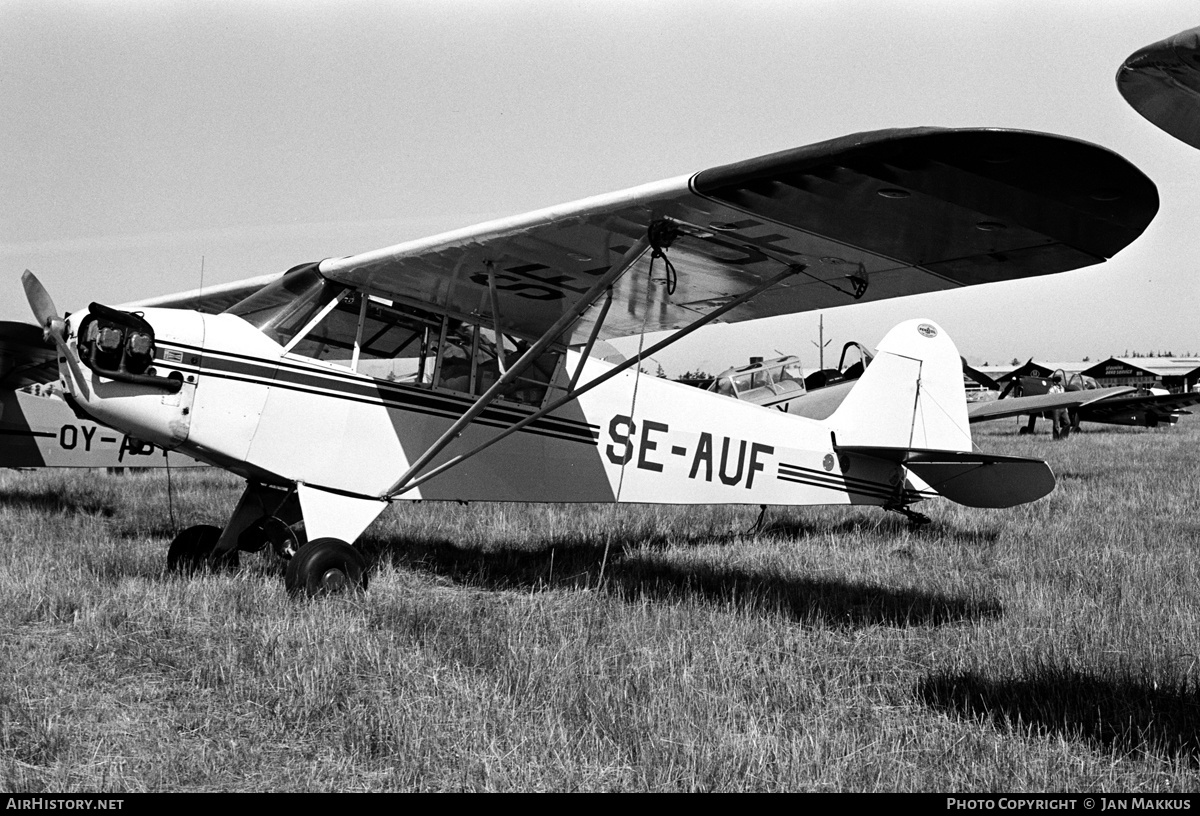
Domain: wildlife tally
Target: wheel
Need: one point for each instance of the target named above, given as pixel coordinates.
(326, 566)
(191, 550)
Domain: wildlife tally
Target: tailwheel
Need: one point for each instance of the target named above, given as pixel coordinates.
(192, 550)
(326, 566)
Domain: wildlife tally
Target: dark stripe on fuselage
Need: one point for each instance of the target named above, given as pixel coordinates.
(844, 484)
(296, 377)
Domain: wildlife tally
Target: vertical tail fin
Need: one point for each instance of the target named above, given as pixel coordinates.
(910, 396)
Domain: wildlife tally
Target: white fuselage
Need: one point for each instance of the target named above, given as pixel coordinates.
(283, 419)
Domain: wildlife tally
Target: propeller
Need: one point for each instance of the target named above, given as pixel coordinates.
(53, 326)
(978, 376)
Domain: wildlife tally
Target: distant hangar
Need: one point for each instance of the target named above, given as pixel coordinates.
(1175, 374)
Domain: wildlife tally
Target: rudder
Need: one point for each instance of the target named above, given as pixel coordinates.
(910, 396)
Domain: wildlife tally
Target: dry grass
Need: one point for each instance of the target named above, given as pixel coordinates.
(549, 647)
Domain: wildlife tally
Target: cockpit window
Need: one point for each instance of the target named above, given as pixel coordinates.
(723, 386)
(791, 371)
(390, 341)
(470, 363)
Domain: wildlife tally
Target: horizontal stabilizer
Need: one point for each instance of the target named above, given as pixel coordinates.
(972, 479)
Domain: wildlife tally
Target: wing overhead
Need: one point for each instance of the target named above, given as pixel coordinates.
(1162, 83)
(1016, 406)
(861, 218)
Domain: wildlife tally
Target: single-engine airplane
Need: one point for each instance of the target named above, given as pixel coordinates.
(780, 384)
(461, 366)
(1084, 400)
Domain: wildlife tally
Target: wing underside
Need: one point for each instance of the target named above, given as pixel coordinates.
(1162, 83)
(858, 219)
(1036, 404)
(1162, 406)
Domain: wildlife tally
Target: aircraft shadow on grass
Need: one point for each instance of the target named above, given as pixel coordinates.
(52, 502)
(578, 564)
(891, 528)
(1125, 716)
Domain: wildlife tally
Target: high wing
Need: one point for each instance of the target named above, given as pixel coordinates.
(1040, 403)
(856, 219)
(860, 218)
(1162, 83)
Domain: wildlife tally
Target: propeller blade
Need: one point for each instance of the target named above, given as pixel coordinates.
(978, 376)
(39, 299)
(53, 326)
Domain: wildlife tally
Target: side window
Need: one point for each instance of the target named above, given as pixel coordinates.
(389, 341)
(375, 337)
(470, 362)
(397, 344)
(455, 364)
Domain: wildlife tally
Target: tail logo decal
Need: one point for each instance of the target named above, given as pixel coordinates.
(926, 330)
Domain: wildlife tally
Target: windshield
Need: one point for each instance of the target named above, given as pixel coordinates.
(282, 308)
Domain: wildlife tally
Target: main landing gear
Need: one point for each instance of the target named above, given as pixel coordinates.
(326, 566)
(192, 550)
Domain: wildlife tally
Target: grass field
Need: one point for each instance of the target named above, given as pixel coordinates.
(1051, 647)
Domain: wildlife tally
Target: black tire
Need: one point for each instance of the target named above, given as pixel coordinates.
(326, 566)
(192, 549)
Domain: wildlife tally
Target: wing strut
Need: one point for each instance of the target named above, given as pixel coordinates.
(404, 485)
(491, 276)
(591, 341)
(532, 353)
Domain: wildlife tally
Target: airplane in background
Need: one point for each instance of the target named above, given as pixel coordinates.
(781, 384)
(39, 429)
(1162, 82)
(1084, 399)
(461, 366)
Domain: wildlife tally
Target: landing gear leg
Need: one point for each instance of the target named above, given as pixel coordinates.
(914, 518)
(257, 503)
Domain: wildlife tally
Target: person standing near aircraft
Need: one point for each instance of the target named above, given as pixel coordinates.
(1061, 419)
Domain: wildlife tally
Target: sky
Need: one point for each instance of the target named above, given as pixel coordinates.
(154, 147)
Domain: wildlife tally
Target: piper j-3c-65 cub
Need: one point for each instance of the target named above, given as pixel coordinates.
(468, 365)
